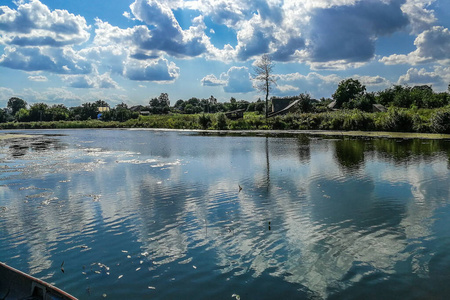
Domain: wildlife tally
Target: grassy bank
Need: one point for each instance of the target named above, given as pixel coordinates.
(395, 120)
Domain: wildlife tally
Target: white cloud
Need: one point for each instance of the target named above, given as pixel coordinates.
(94, 80)
(419, 76)
(420, 17)
(33, 24)
(434, 43)
(154, 70)
(287, 88)
(38, 78)
(374, 81)
(54, 60)
(431, 46)
(6, 93)
(238, 80)
(212, 80)
(52, 96)
(348, 33)
(235, 80)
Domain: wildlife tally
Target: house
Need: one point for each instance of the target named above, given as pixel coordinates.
(102, 109)
(280, 103)
(235, 114)
(332, 105)
(378, 108)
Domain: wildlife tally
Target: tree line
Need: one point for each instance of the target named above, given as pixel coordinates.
(350, 94)
(18, 109)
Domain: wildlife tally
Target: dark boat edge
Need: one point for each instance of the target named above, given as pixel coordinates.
(36, 287)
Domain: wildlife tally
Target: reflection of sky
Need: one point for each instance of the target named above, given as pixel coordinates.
(172, 199)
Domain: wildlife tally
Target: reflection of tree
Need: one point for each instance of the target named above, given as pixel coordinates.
(350, 153)
(304, 148)
(20, 147)
(403, 151)
(328, 230)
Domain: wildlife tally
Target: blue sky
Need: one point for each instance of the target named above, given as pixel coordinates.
(71, 52)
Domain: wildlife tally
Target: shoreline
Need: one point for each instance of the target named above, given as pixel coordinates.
(328, 133)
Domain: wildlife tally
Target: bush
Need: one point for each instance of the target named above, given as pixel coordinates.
(398, 120)
(204, 121)
(221, 121)
(440, 121)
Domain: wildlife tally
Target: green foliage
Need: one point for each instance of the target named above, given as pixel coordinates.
(23, 115)
(160, 105)
(440, 121)
(347, 90)
(38, 112)
(58, 112)
(363, 102)
(15, 104)
(205, 121)
(3, 115)
(221, 121)
(398, 119)
(305, 105)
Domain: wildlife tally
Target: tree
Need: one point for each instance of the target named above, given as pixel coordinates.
(58, 112)
(263, 75)
(101, 103)
(305, 103)
(3, 115)
(38, 112)
(348, 90)
(160, 105)
(15, 104)
(23, 115)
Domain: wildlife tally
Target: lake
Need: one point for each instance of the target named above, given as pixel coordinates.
(148, 214)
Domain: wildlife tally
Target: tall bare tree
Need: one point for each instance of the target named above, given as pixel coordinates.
(262, 74)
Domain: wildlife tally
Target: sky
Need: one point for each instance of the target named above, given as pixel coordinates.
(73, 52)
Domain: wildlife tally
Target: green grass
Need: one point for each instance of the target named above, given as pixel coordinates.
(395, 120)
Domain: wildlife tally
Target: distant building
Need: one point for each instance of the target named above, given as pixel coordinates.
(378, 108)
(142, 110)
(102, 109)
(235, 114)
(280, 103)
(332, 105)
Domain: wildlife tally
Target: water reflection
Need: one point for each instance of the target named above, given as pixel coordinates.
(164, 210)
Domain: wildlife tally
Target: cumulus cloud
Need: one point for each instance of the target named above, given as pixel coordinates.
(434, 43)
(38, 78)
(238, 80)
(33, 24)
(235, 80)
(229, 13)
(155, 70)
(212, 80)
(54, 60)
(95, 80)
(349, 32)
(318, 84)
(6, 93)
(431, 46)
(286, 88)
(420, 17)
(161, 35)
(419, 76)
(52, 95)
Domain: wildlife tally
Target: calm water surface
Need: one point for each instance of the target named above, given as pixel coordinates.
(177, 215)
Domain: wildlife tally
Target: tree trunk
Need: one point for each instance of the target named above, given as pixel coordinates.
(267, 98)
